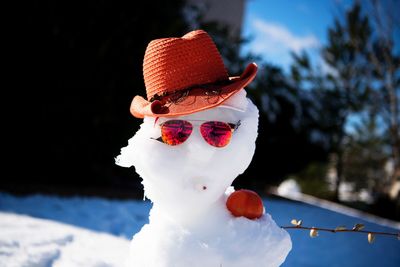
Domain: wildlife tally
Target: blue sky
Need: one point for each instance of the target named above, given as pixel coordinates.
(278, 27)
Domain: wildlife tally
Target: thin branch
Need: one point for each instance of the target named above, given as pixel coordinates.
(340, 230)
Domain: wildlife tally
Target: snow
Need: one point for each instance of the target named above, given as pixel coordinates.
(120, 218)
(221, 239)
(26, 241)
(17, 225)
(189, 183)
(183, 170)
(289, 188)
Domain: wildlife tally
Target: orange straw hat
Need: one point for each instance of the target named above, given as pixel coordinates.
(186, 75)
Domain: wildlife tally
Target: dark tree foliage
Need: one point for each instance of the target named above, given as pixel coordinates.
(82, 65)
(288, 130)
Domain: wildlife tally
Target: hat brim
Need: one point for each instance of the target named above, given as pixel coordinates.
(195, 100)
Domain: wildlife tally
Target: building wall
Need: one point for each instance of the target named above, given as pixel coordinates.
(229, 12)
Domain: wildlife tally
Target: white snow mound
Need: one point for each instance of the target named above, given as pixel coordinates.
(189, 223)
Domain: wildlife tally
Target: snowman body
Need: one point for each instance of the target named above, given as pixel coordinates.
(189, 224)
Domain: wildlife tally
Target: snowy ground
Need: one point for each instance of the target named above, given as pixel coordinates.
(54, 231)
(27, 241)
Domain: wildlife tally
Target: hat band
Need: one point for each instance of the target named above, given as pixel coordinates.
(209, 89)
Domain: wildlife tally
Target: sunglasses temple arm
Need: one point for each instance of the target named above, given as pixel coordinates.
(234, 127)
(157, 139)
(237, 125)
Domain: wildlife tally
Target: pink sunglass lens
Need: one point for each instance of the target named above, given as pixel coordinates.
(216, 133)
(175, 132)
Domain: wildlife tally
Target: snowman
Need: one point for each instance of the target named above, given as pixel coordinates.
(198, 134)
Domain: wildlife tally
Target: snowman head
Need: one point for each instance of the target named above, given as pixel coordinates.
(190, 177)
(188, 86)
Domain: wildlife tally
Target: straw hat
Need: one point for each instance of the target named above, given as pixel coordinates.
(186, 75)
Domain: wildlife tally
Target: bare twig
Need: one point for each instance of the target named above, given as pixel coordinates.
(339, 230)
(297, 224)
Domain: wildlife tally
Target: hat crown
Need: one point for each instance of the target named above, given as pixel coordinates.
(172, 64)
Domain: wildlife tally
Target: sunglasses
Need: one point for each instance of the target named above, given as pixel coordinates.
(215, 133)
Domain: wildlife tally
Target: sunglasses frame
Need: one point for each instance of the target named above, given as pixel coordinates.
(233, 126)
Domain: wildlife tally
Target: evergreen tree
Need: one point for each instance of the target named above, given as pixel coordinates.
(362, 77)
(343, 90)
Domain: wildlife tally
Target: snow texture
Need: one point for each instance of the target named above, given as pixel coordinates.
(122, 218)
(188, 185)
(30, 242)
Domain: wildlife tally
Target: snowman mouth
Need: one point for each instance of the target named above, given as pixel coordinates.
(200, 184)
(201, 187)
